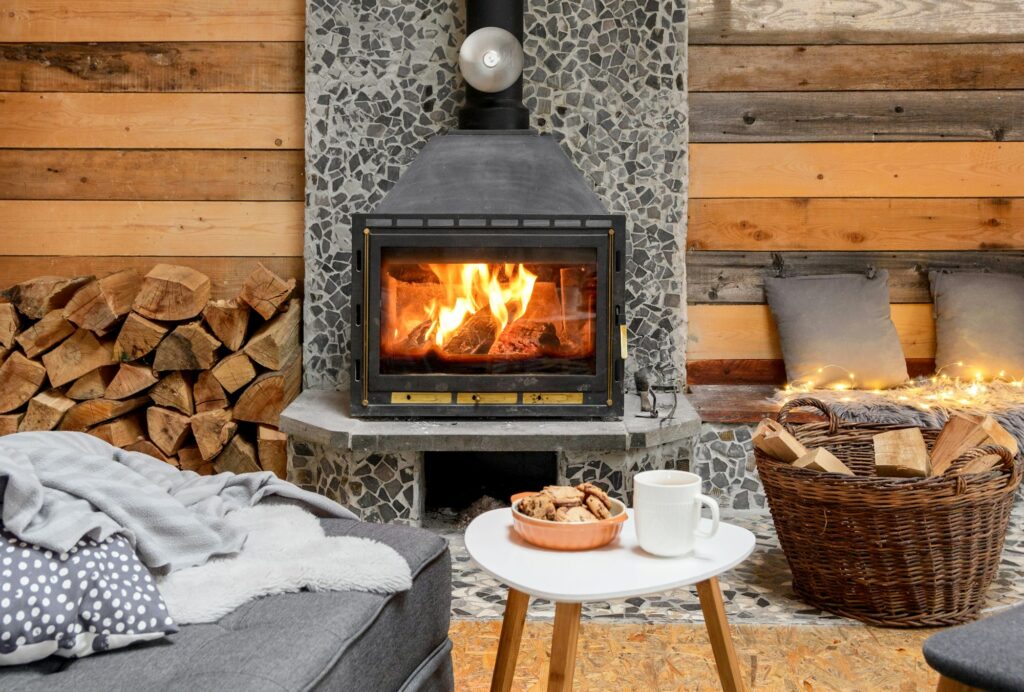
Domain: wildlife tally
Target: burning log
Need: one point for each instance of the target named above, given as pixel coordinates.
(474, 336)
(526, 337)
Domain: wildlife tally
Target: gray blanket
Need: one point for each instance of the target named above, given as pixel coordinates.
(59, 487)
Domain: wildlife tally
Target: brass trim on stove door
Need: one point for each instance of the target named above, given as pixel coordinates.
(611, 315)
(366, 316)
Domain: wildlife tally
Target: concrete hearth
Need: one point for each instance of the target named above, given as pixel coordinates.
(376, 466)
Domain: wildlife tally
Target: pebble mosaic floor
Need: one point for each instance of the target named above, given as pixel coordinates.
(756, 592)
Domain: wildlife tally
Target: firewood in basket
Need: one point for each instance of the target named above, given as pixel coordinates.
(962, 433)
(773, 439)
(43, 294)
(474, 336)
(901, 453)
(820, 459)
(528, 338)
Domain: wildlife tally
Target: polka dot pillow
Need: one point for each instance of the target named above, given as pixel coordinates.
(96, 597)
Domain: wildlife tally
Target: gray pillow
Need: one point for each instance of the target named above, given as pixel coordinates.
(979, 321)
(833, 326)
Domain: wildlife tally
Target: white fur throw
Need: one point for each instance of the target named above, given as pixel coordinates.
(286, 551)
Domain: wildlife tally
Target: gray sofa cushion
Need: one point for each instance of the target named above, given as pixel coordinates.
(983, 654)
(832, 327)
(291, 641)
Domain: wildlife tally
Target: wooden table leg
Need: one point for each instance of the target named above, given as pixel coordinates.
(951, 685)
(563, 646)
(508, 644)
(729, 673)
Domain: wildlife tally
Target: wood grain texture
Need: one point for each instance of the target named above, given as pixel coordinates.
(742, 371)
(227, 274)
(856, 224)
(740, 403)
(854, 21)
(856, 68)
(862, 116)
(738, 277)
(151, 121)
(259, 67)
(883, 169)
(748, 331)
(152, 20)
(176, 174)
(210, 229)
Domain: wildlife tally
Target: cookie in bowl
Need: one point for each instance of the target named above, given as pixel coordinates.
(568, 518)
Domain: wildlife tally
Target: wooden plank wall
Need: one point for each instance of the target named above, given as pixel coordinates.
(140, 131)
(838, 135)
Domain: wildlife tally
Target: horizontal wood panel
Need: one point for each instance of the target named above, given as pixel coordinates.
(226, 273)
(211, 229)
(856, 224)
(738, 277)
(855, 68)
(270, 67)
(748, 332)
(152, 20)
(883, 169)
(854, 21)
(95, 174)
(741, 404)
(152, 121)
(765, 372)
(868, 116)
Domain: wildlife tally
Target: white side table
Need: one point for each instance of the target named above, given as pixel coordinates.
(619, 570)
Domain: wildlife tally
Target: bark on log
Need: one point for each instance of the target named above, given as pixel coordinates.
(475, 336)
(43, 294)
(239, 456)
(213, 430)
(228, 320)
(266, 397)
(277, 341)
(45, 411)
(86, 414)
(137, 338)
(45, 334)
(167, 429)
(172, 292)
(20, 379)
(99, 304)
(234, 372)
(130, 379)
(92, 384)
(208, 393)
(120, 431)
(188, 347)
(9, 325)
(174, 391)
(272, 446)
(265, 291)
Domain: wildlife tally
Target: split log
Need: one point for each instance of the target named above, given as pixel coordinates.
(265, 291)
(239, 456)
(43, 294)
(45, 411)
(9, 325)
(99, 304)
(45, 334)
(277, 341)
(228, 320)
(174, 391)
(901, 453)
(167, 428)
(92, 384)
(264, 399)
(10, 423)
(137, 338)
(272, 446)
(130, 379)
(120, 431)
(189, 459)
(208, 393)
(86, 414)
(417, 338)
(475, 336)
(146, 447)
(172, 292)
(77, 355)
(188, 347)
(234, 372)
(820, 459)
(20, 379)
(213, 430)
(962, 433)
(526, 337)
(773, 439)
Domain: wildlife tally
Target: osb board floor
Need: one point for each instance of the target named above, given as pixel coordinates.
(652, 657)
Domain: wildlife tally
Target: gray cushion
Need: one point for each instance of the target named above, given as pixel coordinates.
(979, 322)
(984, 654)
(833, 326)
(295, 641)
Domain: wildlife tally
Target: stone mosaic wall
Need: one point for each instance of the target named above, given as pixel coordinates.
(724, 458)
(607, 79)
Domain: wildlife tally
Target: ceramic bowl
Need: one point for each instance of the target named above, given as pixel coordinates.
(568, 536)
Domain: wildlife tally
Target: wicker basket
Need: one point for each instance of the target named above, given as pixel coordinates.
(888, 551)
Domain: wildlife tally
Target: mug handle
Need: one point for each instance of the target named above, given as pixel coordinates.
(713, 506)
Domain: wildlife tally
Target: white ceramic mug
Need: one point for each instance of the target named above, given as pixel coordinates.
(666, 509)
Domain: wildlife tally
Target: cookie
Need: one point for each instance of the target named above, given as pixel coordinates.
(539, 506)
(577, 515)
(597, 507)
(564, 495)
(592, 490)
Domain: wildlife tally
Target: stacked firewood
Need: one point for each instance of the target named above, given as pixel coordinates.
(901, 453)
(152, 364)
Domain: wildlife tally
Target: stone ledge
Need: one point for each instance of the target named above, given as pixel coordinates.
(322, 417)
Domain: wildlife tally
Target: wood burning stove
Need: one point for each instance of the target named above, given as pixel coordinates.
(489, 281)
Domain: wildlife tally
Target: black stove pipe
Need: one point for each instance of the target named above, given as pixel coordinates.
(502, 110)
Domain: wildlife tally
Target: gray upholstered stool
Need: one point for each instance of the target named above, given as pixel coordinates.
(983, 655)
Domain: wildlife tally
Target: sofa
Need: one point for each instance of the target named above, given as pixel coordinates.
(340, 640)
